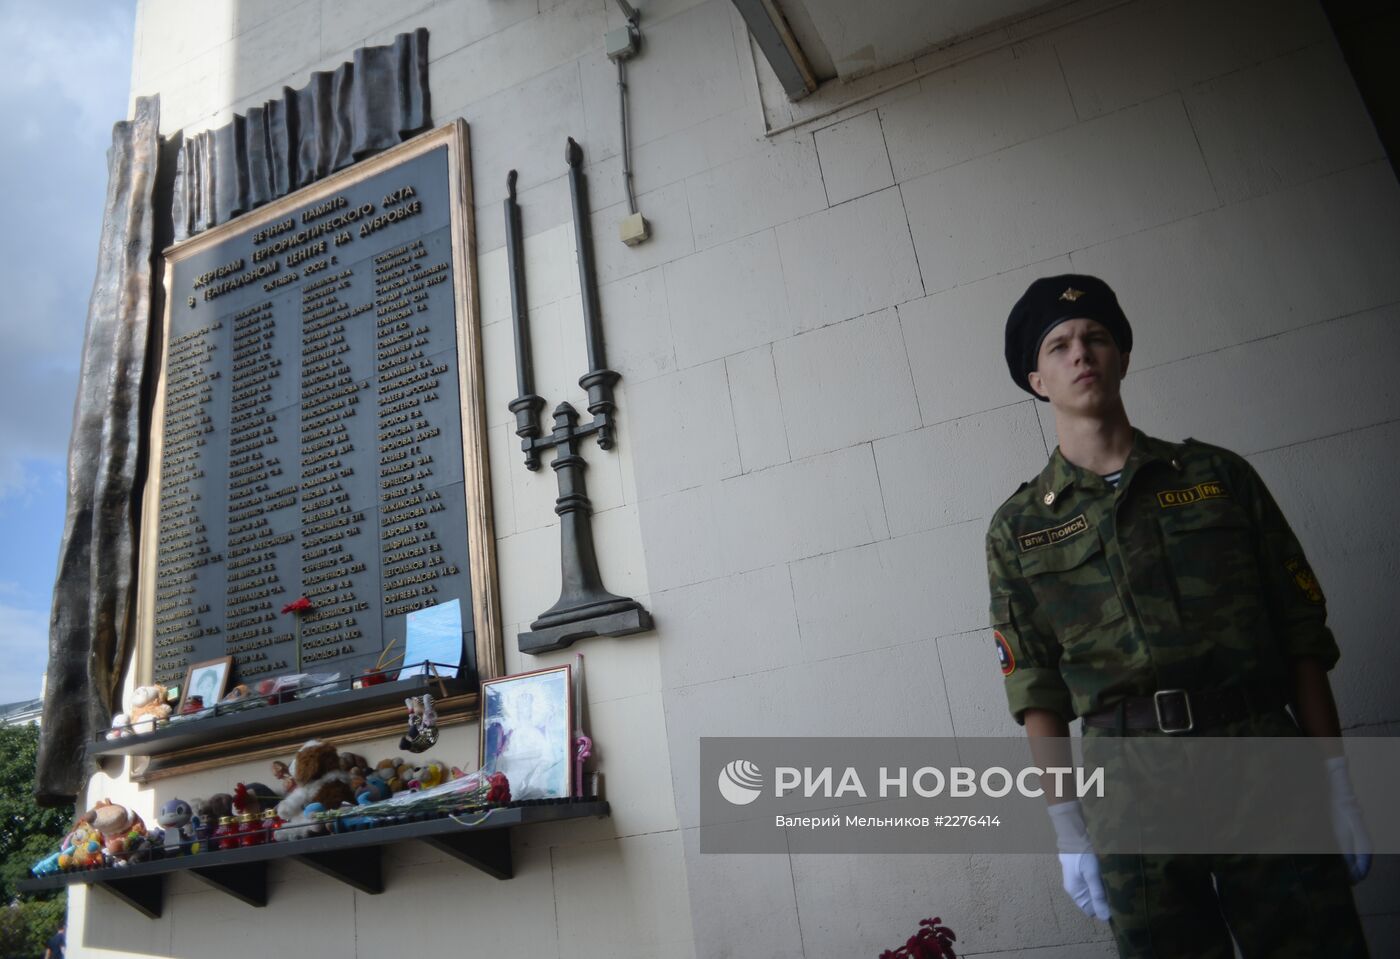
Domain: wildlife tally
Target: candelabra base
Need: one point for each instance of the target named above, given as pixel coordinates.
(560, 635)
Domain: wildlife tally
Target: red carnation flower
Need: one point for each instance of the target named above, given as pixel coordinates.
(499, 793)
(299, 606)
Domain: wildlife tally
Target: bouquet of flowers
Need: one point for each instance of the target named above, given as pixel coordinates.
(475, 790)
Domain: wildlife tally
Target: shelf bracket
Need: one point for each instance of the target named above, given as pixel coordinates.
(145, 894)
(245, 881)
(360, 868)
(488, 850)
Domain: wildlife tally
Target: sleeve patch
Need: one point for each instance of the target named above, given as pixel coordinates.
(1306, 582)
(1004, 654)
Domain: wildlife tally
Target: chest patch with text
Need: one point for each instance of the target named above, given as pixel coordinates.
(1210, 489)
(1053, 535)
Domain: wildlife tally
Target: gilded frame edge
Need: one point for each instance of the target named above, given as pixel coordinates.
(481, 539)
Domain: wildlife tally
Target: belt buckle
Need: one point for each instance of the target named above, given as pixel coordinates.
(1157, 706)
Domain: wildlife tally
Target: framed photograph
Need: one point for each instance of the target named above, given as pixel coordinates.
(207, 680)
(527, 731)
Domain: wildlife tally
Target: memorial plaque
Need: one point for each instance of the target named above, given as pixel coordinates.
(310, 426)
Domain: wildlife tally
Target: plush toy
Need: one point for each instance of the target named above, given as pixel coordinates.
(375, 789)
(321, 785)
(123, 831)
(148, 706)
(205, 815)
(422, 724)
(253, 798)
(175, 818)
(388, 770)
(349, 762)
(429, 774)
(82, 847)
(283, 775)
(121, 726)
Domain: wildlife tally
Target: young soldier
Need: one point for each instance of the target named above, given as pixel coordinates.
(1154, 588)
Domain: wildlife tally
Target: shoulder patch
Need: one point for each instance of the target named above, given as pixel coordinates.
(1304, 579)
(1004, 654)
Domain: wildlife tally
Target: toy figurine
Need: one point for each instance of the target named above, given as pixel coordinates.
(283, 775)
(422, 724)
(175, 817)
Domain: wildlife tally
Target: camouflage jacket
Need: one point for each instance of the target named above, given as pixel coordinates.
(1185, 576)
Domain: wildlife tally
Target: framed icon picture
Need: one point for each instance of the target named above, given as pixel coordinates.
(206, 680)
(527, 731)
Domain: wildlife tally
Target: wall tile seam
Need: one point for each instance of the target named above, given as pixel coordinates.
(817, 661)
(554, 524)
(943, 677)
(806, 332)
(718, 481)
(1046, 134)
(1186, 87)
(918, 266)
(1380, 163)
(1276, 335)
(988, 154)
(879, 491)
(1198, 86)
(1378, 424)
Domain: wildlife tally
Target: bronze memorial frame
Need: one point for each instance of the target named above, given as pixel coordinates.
(490, 661)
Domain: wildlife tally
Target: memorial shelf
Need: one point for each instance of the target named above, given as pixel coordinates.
(480, 839)
(235, 723)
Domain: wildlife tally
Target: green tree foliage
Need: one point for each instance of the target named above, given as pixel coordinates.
(27, 834)
(25, 927)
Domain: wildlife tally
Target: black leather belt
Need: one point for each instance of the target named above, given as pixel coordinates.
(1182, 711)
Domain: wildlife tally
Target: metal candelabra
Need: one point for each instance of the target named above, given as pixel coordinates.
(585, 608)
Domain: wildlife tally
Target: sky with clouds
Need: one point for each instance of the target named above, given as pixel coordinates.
(64, 81)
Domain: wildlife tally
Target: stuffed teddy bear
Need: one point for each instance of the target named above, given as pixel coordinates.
(321, 785)
(148, 706)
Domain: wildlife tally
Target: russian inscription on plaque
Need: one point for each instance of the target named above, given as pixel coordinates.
(312, 426)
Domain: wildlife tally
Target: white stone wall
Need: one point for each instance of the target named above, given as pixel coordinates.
(816, 422)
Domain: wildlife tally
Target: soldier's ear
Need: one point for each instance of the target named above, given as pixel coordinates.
(1035, 381)
(1123, 359)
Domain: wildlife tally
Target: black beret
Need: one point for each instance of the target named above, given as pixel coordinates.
(1048, 302)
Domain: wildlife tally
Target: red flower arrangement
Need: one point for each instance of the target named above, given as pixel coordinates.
(499, 793)
(933, 941)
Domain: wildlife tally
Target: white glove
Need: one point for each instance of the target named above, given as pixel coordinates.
(1347, 822)
(1079, 867)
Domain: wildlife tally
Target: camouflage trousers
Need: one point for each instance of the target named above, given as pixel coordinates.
(1169, 906)
(1188, 906)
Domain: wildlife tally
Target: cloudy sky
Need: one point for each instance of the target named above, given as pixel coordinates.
(63, 82)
